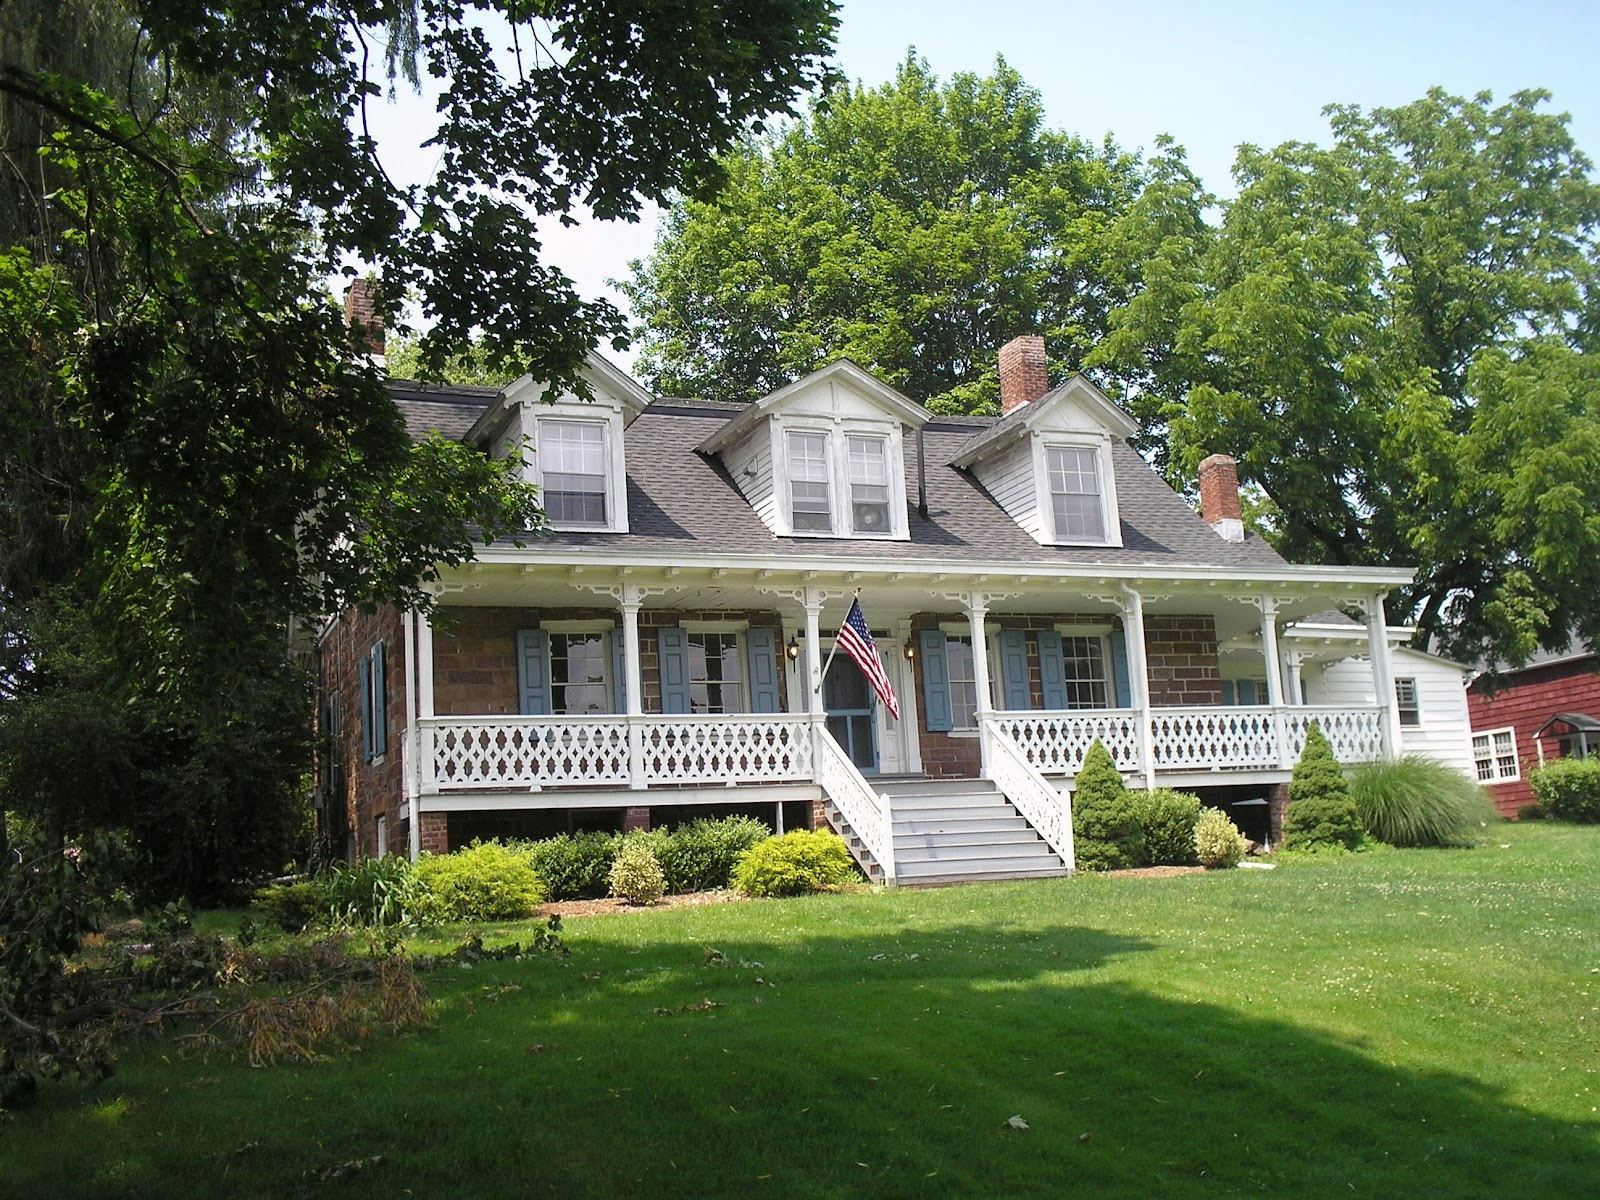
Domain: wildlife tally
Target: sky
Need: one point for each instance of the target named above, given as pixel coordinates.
(1212, 75)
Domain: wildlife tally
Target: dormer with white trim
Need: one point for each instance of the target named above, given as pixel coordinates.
(571, 448)
(824, 457)
(1048, 463)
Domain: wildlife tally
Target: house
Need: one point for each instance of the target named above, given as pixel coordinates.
(1546, 710)
(1031, 586)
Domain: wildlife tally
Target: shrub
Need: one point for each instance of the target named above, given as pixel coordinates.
(636, 876)
(699, 856)
(376, 891)
(1167, 818)
(1415, 801)
(1531, 812)
(1321, 814)
(1217, 840)
(294, 907)
(1569, 790)
(484, 882)
(574, 866)
(1105, 827)
(793, 863)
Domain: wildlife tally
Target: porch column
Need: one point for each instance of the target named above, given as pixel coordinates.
(633, 685)
(1382, 674)
(424, 666)
(977, 610)
(1291, 677)
(1269, 654)
(1139, 679)
(813, 607)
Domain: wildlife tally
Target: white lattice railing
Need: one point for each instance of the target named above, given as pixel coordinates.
(1055, 742)
(1356, 734)
(1030, 793)
(866, 812)
(1214, 739)
(614, 751)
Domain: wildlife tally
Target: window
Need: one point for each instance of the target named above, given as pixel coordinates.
(808, 483)
(1075, 494)
(716, 683)
(572, 466)
(374, 705)
(579, 666)
(963, 682)
(869, 485)
(1083, 665)
(383, 837)
(1405, 695)
(1495, 755)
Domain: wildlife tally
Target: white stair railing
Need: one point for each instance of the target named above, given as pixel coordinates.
(1030, 793)
(867, 813)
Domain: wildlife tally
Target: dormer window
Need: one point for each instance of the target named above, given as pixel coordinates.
(1075, 494)
(808, 483)
(869, 485)
(572, 464)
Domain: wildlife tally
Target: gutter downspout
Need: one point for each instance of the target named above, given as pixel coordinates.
(409, 773)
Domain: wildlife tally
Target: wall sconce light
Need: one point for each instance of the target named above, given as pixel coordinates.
(909, 650)
(792, 649)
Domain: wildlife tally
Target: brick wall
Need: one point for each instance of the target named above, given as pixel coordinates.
(368, 789)
(1526, 701)
(1181, 652)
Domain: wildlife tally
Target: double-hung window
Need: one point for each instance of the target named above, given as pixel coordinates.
(869, 485)
(1083, 667)
(1405, 696)
(716, 683)
(963, 682)
(1494, 755)
(808, 483)
(580, 665)
(1075, 493)
(572, 465)
(374, 690)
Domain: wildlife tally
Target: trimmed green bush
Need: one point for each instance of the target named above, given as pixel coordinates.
(1415, 801)
(636, 876)
(793, 864)
(1218, 844)
(699, 856)
(1105, 826)
(1167, 818)
(574, 866)
(1569, 790)
(1321, 814)
(1531, 812)
(484, 882)
(294, 907)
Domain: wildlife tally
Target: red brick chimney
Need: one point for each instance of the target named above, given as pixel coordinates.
(1023, 374)
(1219, 497)
(365, 318)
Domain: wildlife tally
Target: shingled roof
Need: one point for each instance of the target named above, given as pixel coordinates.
(682, 501)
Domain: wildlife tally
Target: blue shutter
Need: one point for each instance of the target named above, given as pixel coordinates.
(1227, 691)
(1119, 669)
(366, 708)
(935, 681)
(1247, 691)
(380, 703)
(761, 653)
(1014, 695)
(619, 672)
(1052, 675)
(673, 650)
(533, 672)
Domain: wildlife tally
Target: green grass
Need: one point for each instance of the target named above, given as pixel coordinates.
(1413, 1023)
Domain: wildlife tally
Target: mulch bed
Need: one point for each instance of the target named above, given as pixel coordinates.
(607, 907)
(1155, 872)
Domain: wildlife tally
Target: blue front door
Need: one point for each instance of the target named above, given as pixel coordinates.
(848, 700)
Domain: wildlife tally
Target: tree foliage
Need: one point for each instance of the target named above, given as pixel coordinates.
(1106, 833)
(913, 227)
(1391, 335)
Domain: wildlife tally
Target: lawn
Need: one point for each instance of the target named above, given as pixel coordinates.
(1416, 1023)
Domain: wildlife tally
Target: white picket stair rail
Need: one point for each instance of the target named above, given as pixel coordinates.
(1030, 793)
(867, 812)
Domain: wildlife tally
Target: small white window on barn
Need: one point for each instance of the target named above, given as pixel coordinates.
(1494, 754)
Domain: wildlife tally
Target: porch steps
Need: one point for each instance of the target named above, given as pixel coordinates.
(961, 831)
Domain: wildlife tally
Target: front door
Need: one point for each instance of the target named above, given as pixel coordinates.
(848, 700)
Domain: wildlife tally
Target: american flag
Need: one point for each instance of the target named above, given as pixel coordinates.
(856, 640)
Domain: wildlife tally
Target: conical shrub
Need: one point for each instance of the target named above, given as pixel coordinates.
(1321, 814)
(1106, 832)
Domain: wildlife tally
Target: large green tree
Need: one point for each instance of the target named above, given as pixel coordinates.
(194, 459)
(913, 227)
(1391, 334)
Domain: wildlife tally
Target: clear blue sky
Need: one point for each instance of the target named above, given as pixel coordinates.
(1212, 75)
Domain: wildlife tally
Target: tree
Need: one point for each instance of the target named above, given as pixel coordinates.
(1391, 335)
(1321, 812)
(913, 227)
(1106, 834)
(195, 459)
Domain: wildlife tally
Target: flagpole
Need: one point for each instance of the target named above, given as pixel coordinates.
(823, 674)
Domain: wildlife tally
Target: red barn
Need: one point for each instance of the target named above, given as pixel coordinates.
(1507, 722)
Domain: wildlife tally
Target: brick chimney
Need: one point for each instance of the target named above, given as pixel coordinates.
(1219, 497)
(365, 318)
(1023, 374)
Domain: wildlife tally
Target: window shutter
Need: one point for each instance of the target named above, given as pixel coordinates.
(1247, 692)
(1052, 675)
(533, 672)
(380, 704)
(366, 708)
(1119, 668)
(1014, 695)
(619, 673)
(760, 649)
(1227, 691)
(673, 650)
(335, 747)
(935, 681)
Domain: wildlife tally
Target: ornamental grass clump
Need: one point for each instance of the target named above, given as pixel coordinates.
(1569, 790)
(484, 882)
(1105, 825)
(1167, 818)
(1217, 842)
(1416, 801)
(793, 864)
(1321, 814)
(636, 876)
